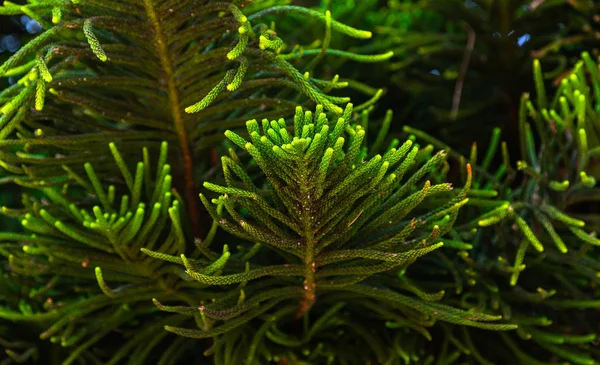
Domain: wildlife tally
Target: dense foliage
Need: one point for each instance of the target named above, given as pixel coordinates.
(341, 224)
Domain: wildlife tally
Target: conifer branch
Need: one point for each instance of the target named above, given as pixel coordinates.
(320, 195)
(538, 212)
(175, 106)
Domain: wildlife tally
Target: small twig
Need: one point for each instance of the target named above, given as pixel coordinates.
(535, 4)
(463, 71)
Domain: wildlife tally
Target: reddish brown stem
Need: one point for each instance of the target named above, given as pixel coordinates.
(176, 113)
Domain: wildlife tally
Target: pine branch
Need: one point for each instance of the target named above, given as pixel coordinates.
(321, 208)
(141, 74)
(538, 214)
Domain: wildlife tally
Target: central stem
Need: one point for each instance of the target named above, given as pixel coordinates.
(309, 248)
(309, 277)
(167, 66)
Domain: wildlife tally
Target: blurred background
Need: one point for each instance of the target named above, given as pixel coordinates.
(14, 31)
(460, 66)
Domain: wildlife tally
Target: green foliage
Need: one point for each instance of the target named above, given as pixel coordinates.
(85, 132)
(83, 226)
(175, 71)
(530, 218)
(313, 242)
(343, 228)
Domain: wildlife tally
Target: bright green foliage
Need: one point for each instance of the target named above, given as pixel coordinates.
(314, 243)
(102, 82)
(325, 224)
(546, 250)
(128, 73)
(140, 72)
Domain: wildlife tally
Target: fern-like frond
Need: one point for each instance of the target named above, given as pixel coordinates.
(328, 222)
(543, 241)
(89, 233)
(141, 72)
